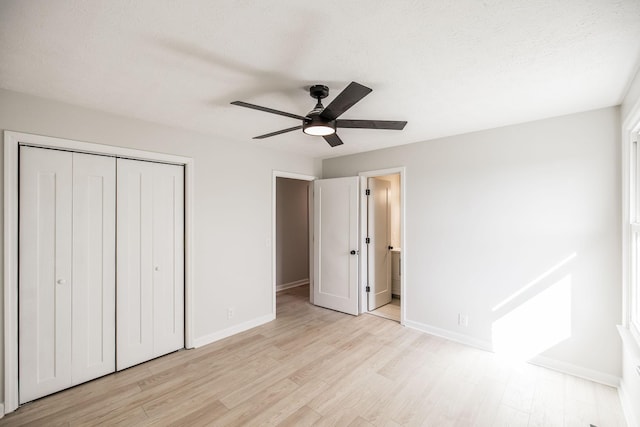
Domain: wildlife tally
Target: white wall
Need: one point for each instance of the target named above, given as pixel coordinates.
(525, 215)
(292, 231)
(232, 211)
(394, 208)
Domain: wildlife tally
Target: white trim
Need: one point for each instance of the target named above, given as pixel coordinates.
(449, 335)
(545, 362)
(402, 171)
(576, 371)
(12, 141)
(236, 329)
(630, 125)
(627, 405)
(293, 284)
(291, 175)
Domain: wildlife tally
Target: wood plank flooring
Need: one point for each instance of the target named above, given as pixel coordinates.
(389, 311)
(313, 366)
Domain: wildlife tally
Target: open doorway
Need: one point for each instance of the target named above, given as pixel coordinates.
(292, 271)
(382, 228)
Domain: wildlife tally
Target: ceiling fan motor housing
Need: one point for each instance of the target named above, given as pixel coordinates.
(317, 126)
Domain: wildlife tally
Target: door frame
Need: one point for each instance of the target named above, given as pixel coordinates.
(12, 142)
(403, 238)
(301, 177)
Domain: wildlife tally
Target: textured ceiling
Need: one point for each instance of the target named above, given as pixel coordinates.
(447, 67)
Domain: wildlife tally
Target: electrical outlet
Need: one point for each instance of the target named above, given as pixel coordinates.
(463, 319)
(230, 313)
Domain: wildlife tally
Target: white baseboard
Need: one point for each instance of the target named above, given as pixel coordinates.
(628, 408)
(545, 362)
(451, 336)
(289, 285)
(217, 336)
(576, 371)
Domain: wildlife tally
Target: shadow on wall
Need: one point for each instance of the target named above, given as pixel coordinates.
(536, 317)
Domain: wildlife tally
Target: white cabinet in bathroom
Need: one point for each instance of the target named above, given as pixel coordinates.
(395, 271)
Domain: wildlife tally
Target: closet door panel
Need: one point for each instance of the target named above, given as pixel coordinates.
(94, 265)
(45, 254)
(168, 253)
(135, 262)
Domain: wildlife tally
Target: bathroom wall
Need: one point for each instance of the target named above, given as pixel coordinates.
(292, 232)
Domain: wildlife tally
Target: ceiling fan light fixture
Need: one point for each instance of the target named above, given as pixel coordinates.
(317, 127)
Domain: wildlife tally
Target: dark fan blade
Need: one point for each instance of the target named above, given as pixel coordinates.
(371, 124)
(345, 100)
(268, 110)
(333, 139)
(278, 132)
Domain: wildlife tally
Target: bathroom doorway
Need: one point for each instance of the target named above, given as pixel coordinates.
(382, 227)
(292, 219)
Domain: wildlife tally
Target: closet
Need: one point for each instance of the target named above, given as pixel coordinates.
(101, 261)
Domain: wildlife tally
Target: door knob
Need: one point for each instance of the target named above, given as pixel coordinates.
(61, 281)
(390, 247)
(354, 252)
(157, 268)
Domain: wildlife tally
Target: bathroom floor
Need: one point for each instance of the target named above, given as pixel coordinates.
(389, 311)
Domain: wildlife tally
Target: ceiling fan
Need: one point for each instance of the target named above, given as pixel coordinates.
(323, 121)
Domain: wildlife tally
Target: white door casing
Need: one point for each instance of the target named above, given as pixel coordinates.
(378, 249)
(67, 263)
(335, 238)
(150, 299)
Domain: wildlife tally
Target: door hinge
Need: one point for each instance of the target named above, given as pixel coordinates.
(368, 289)
(367, 192)
(367, 240)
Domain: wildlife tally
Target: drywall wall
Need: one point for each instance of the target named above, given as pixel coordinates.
(394, 208)
(292, 231)
(632, 97)
(519, 229)
(232, 201)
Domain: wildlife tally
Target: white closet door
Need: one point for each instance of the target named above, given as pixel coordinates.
(45, 272)
(168, 258)
(67, 264)
(94, 266)
(150, 257)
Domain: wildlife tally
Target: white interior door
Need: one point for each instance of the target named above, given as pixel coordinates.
(45, 272)
(336, 244)
(168, 258)
(94, 266)
(150, 300)
(379, 249)
(67, 262)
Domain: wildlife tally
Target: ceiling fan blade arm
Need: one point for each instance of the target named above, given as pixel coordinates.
(371, 124)
(268, 110)
(333, 139)
(278, 132)
(345, 100)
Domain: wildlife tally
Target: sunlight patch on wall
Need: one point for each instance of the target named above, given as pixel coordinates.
(536, 325)
(534, 282)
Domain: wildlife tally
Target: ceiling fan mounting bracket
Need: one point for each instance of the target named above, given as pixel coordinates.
(319, 91)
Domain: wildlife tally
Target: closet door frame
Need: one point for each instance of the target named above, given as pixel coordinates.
(12, 142)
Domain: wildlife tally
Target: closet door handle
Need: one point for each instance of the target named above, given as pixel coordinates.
(61, 281)
(157, 268)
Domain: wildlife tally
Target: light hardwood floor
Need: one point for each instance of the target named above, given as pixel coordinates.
(389, 311)
(313, 366)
